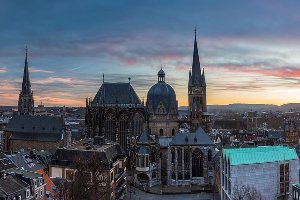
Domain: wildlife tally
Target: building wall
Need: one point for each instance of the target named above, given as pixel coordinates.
(38, 145)
(167, 123)
(263, 177)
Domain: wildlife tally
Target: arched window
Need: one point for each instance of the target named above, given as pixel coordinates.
(161, 132)
(138, 121)
(153, 154)
(173, 132)
(179, 156)
(173, 175)
(110, 133)
(173, 155)
(197, 160)
(123, 132)
(209, 155)
(186, 158)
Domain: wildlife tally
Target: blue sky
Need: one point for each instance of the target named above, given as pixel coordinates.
(250, 49)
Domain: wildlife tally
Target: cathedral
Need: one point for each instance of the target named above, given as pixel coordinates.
(117, 113)
(159, 153)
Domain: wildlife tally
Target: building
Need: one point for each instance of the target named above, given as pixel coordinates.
(269, 171)
(162, 108)
(35, 181)
(116, 113)
(190, 159)
(291, 133)
(296, 191)
(26, 102)
(197, 94)
(104, 165)
(147, 167)
(252, 119)
(35, 132)
(13, 188)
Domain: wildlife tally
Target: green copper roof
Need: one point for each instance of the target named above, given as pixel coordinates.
(297, 185)
(244, 156)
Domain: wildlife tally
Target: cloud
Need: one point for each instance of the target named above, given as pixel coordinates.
(57, 80)
(34, 70)
(2, 71)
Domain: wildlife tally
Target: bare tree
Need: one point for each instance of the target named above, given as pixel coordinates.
(242, 192)
(91, 182)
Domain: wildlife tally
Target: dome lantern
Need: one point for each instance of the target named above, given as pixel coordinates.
(161, 76)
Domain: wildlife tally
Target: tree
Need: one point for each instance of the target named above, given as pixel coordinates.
(242, 192)
(91, 181)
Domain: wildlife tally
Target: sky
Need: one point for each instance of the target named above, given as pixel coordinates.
(250, 49)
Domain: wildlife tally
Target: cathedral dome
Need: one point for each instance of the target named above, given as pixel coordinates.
(161, 98)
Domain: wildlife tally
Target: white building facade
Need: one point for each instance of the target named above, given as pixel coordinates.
(269, 172)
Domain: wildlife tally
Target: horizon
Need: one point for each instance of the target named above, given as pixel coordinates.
(249, 50)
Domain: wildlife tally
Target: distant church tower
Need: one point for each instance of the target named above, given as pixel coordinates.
(26, 103)
(197, 93)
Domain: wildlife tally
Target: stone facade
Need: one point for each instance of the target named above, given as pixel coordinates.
(265, 177)
(162, 108)
(116, 113)
(186, 171)
(37, 145)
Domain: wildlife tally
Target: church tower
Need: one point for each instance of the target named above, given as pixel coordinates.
(197, 92)
(26, 103)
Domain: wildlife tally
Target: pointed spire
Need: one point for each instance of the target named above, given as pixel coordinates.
(203, 78)
(190, 78)
(26, 86)
(196, 71)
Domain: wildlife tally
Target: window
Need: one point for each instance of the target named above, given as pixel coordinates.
(20, 197)
(161, 132)
(209, 155)
(173, 175)
(173, 155)
(27, 193)
(197, 161)
(173, 132)
(36, 194)
(42, 192)
(284, 178)
(70, 175)
(179, 155)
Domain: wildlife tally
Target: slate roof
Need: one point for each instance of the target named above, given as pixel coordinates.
(107, 153)
(11, 185)
(36, 128)
(198, 138)
(163, 93)
(112, 93)
(23, 161)
(142, 150)
(5, 163)
(145, 138)
(264, 154)
(274, 134)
